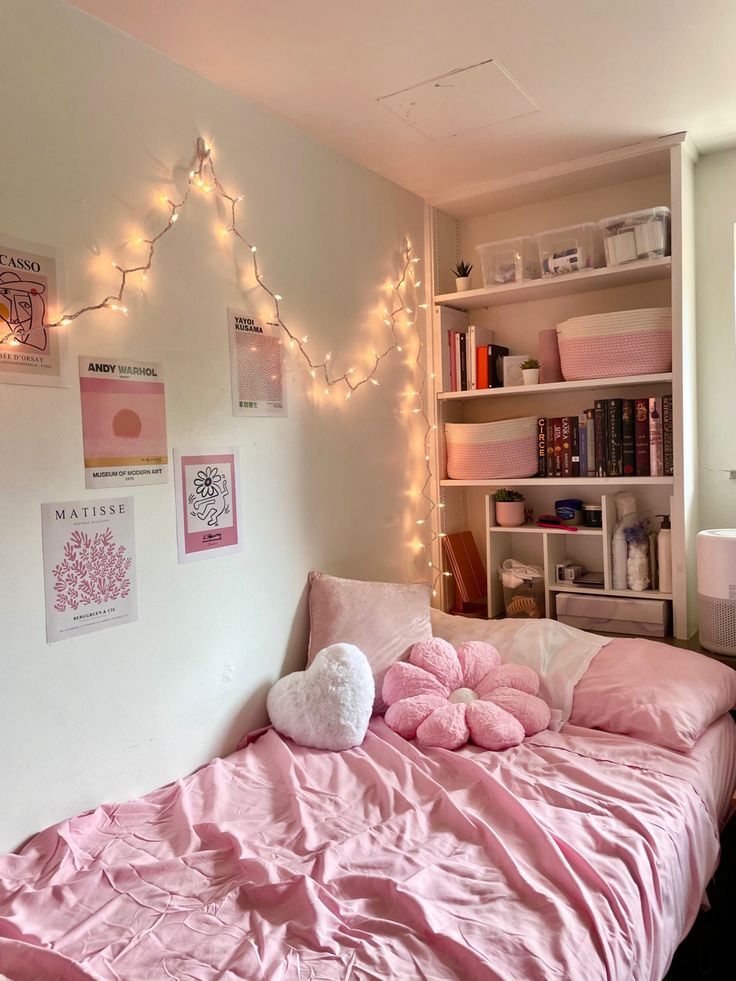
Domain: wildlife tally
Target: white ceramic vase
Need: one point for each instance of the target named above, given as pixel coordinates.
(462, 285)
(510, 514)
(530, 376)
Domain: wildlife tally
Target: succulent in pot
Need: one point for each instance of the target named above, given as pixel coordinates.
(462, 272)
(530, 371)
(509, 508)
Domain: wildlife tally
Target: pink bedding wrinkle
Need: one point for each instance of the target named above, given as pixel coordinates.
(576, 855)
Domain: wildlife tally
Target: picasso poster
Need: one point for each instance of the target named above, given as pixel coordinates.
(89, 566)
(123, 422)
(208, 509)
(256, 365)
(30, 352)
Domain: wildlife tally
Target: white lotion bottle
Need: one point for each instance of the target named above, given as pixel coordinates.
(664, 554)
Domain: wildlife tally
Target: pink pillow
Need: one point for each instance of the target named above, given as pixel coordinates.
(662, 694)
(444, 697)
(383, 619)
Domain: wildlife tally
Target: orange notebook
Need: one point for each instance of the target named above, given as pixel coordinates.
(481, 366)
(466, 566)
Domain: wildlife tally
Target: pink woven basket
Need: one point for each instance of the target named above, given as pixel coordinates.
(492, 450)
(610, 345)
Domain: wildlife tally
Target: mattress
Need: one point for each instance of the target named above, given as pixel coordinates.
(577, 855)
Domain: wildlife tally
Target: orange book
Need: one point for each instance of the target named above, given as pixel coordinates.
(481, 367)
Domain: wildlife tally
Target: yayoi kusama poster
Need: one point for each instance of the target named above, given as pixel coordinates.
(256, 365)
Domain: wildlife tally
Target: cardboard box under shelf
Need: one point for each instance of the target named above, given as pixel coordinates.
(615, 614)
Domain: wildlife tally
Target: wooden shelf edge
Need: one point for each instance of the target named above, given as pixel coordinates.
(564, 482)
(627, 381)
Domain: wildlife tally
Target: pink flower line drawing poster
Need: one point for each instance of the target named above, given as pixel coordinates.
(207, 503)
(29, 299)
(89, 566)
(256, 365)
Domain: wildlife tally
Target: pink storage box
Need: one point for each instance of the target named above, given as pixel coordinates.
(492, 450)
(609, 345)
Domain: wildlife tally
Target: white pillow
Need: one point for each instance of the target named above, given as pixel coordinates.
(329, 705)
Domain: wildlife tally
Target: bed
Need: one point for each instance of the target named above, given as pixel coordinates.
(580, 854)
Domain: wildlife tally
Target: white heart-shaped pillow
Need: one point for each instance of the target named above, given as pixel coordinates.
(329, 705)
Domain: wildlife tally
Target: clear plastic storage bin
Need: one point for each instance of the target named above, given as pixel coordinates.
(636, 235)
(512, 260)
(523, 590)
(567, 250)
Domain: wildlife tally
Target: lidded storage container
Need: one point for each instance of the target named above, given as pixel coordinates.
(492, 450)
(567, 250)
(636, 235)
(512, 260)
(610, 345)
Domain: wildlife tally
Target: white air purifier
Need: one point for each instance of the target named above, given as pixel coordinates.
(717, 590)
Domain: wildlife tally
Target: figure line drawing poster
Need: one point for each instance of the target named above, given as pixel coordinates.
(29, 299)
(207, 484)
(256, 365)
(89, 566)
(123, 422)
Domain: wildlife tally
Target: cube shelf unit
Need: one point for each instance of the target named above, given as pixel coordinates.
(656, 173)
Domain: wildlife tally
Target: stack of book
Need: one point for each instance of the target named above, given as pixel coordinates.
(616, 438)
(475, 361)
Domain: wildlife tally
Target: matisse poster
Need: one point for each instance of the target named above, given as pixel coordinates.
(30, 351)
(256, 365)
(89, 566)
(208, 509)
(123, 422)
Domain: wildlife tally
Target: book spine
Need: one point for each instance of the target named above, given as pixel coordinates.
(550, 441)
(590, 440)
(470, 358)
(463, 363)
(541, 447)
(557, 437)
(575, 446)
(641, 437)
(628, 442)
(615, 441)
(496, 354)
(600, 438)
(453, 360)
(656, 456)
(583, 444)
(482, 366)
(667, 436)
(566, 447)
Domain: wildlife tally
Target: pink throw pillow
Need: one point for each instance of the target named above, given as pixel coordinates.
(383, 619)
(444, 697)
(651, 691)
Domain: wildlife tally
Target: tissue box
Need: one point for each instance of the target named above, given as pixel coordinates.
(615, 614)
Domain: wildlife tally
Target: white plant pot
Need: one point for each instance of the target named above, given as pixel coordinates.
(462, 285)
(510, 514)
(530, 376)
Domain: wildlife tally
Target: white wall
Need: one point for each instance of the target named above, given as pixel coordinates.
(715, 216)
(96, 123)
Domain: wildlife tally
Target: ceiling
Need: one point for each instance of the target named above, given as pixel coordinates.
(557, 81)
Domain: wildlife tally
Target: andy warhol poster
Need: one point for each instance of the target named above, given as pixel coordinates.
(208, 509)
(123, 422)
(256, 365)
(30, 350)
(89, 566)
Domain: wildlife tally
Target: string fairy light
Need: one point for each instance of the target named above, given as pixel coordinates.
(204, 177)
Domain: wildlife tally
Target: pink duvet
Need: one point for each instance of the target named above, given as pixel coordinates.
(577, 855)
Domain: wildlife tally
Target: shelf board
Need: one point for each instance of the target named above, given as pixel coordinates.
(644, 271)
(535, 529)
(625, 381)
(563, 482)
(560, 587)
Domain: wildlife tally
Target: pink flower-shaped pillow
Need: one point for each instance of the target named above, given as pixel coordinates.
(445, 697)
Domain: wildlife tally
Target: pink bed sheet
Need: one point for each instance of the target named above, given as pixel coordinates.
(578, 855)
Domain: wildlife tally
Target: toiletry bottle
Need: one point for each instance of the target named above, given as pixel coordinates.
(664, 554)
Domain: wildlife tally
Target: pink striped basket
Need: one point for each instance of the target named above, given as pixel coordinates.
(492, 450)
(610, 345)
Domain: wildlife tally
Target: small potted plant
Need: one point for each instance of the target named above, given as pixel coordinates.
(462, 272)
(509, 508)
(530, 371)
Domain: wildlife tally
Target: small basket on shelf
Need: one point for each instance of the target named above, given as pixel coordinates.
(612, 345)
(492, 450)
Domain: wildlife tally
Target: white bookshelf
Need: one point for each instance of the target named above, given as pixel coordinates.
(628, 179)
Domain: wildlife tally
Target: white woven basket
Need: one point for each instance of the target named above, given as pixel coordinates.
(492, 450)
(609, 345)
